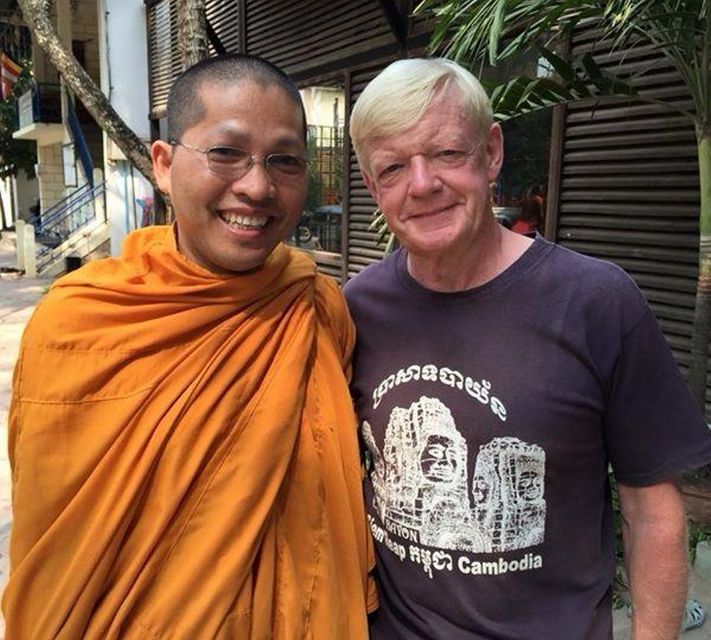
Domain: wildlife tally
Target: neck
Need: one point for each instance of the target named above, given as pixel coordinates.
(494, 250)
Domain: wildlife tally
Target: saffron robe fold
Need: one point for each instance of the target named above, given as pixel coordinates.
(184, 455)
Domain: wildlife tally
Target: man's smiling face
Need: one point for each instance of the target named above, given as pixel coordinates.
(432, 180)
(228, 225)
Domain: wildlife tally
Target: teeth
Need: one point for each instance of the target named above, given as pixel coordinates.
(244, 221)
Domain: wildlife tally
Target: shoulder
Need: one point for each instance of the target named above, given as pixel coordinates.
(333, 312)
(82, 301)
(590, 268)
(329, 297)
(599, 287)
(375, 279)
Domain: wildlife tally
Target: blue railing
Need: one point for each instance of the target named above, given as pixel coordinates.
(42, 103)
(79, 141)
(69, 215)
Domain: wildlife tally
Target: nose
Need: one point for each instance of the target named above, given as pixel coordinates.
(423, 180)
(256, 184)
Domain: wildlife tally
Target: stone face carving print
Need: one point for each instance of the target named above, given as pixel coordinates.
(422, 492)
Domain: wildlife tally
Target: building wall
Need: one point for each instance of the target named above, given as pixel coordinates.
(85, 29)
(18, 195)
(26, 190)
(124, 74)
(51, 178)
(319, 105)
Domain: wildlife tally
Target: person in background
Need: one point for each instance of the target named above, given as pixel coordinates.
(530, 221)
(497, 378)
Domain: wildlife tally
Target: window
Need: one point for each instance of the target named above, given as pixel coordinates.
(319, 228)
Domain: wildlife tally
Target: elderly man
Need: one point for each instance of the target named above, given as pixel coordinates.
(184, 454)
(533, 368)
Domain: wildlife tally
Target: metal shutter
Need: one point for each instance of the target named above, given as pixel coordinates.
(163, 56)
(629, 189)
(307, 34)
(362, 246)
(223, 18)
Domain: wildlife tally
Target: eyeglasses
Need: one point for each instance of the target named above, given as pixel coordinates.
(233, 163)
(394, 173)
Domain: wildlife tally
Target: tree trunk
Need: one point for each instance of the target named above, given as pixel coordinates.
(702, 312)
(192, 32)
(37, 16)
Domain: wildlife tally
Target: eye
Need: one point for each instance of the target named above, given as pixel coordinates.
(227, 155)
(450, 155)
(390, 170)
(286, 162)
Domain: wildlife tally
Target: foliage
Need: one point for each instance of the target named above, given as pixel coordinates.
(475, 32)
(15, 155)
(37, 15)
(697, 533)
(620, 587)
(491, 31)
(620, 593)
(380, 226)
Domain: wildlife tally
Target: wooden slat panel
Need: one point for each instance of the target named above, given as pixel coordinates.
(363, 246)
(224, 17)
(629, 190)
(163, 54)
(304, 34)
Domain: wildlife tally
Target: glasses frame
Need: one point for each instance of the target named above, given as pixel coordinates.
(235, 174)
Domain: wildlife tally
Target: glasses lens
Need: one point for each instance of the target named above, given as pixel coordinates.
(286, 164)
(229, 161)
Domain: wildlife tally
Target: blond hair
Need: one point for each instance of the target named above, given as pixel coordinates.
(401, 94)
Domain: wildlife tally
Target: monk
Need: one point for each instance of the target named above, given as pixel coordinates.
(182, 442)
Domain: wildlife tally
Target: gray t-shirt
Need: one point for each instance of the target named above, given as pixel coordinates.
(489, 418)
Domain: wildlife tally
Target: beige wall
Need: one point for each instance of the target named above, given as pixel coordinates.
(319, 105)
(85, 27)
(51, 178)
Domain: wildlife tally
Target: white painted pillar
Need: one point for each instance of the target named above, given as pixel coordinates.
(19, 245)
(26, 248)
(100, 201)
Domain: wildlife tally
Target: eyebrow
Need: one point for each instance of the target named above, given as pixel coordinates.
(239, 136)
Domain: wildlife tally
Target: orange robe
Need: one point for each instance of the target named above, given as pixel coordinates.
(184, 455)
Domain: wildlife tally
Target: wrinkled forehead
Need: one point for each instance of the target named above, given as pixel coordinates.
(446, 121)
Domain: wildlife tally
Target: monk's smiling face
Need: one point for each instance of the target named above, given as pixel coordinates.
(230, 225)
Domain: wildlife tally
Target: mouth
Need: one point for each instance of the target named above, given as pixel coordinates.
(430, 212)
(244, 222)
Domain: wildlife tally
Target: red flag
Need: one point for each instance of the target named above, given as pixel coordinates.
(9, 73)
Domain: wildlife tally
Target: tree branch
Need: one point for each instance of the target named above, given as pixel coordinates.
(36, 15)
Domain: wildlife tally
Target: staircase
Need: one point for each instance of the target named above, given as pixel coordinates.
(75, 226)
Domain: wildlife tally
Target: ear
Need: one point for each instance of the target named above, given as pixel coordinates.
(162, 157)
(494, 151)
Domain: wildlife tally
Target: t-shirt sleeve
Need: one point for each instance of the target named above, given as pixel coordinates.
(653, 428)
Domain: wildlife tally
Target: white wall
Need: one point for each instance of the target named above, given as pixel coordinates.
(319, 102)
(124, 79)
(26, 194)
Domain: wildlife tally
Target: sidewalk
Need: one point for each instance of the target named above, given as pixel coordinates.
(18, 297)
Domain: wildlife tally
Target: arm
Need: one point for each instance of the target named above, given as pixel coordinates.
(654, 531)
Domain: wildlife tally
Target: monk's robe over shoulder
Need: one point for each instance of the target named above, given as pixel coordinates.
(184, 455)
